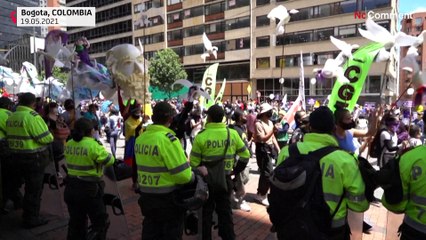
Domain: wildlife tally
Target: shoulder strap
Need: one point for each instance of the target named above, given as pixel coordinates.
(227, 142)
(320, 153)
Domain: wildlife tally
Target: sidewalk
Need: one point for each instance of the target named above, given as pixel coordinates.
(248, 225)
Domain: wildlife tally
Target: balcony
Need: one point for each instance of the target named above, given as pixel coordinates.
(178, 42)
(220, 55)
(216, 36)
(173, 7)
(215, 16)
(175, 25)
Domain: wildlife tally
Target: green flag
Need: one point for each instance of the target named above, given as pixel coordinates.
(356, 71)
(209, 85)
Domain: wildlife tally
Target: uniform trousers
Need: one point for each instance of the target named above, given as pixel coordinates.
(85, 199)
(219, 201)
(29, 167)
(163, 219)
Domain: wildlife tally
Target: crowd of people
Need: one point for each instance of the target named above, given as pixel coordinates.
(182, 140)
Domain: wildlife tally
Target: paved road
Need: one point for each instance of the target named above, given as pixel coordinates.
(248, 225)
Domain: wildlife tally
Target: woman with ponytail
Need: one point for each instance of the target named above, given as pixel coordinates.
(85, 159)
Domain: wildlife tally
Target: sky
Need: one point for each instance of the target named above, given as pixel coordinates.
(408, 6)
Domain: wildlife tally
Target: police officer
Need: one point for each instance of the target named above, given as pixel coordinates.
(84, 190)
(5, 106)
(213, 146)
(162, 166)
(341, 174)
(412, 167)
(28, 139)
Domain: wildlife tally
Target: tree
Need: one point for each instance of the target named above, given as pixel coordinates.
(58, 73)
(165, 68)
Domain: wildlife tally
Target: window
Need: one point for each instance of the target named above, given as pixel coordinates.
(179, 51)
(238, 23)
(138, 8)
(174, 17)
(194, 49)
(263, 41)
(419, 21)
(323, 34)
(174, 35)
(171, 2)
(322, 57)
(346, 31)
(262, 2)
(215, 27)
(215, 8)
(262, 62)
(235, 44)
(194, 12)
(193, 31)
(262, 21)
(237, 3)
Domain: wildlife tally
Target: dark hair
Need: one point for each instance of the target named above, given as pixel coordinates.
(82, 128)
(69, 104)
(162, 112)
(390, 119)
(298, 115)
(114, 111)
(5, 103)
(49, 106)
(27, 99)
(93, 106)
(414, 130)
(216, 113)
(340, 113)
(321, 120)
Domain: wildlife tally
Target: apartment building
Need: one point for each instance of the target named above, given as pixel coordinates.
(413, 27)
(51, 3)
(250, 54)
(113, 26)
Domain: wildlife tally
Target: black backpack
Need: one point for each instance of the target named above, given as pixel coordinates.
(375, 149)
(296, 201)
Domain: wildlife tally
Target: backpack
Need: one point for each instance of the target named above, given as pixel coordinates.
(296, 200)
(375, 149)
(389, 178)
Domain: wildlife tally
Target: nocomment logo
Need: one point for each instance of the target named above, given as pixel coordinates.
(13, 16)
(379, 16)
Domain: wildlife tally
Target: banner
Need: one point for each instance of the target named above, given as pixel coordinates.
(219, 96)
(297, 104)
(209, 85)
(356, 71)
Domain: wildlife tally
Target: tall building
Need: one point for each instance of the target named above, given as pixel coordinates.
(51, 3)
(113, 25)
(9, 31)
(250, 54)
(412, 27)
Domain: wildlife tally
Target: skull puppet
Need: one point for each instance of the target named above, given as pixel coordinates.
(129, 70)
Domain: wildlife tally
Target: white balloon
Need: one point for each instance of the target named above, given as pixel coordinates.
(313, 81)
(410, 91)
(271, 96)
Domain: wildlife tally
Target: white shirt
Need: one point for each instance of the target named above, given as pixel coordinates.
(386, 155)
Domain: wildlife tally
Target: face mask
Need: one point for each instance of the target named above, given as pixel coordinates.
(269, 114)
(347, 126)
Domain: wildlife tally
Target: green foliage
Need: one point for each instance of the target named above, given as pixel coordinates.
(59, 74)
(165, 68)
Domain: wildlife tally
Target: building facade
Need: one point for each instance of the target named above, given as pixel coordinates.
(51, 3)
(412, 27)
(250, 54)
(113, 26)
(9, 31)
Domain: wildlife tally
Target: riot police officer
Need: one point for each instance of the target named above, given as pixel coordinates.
(84, 190)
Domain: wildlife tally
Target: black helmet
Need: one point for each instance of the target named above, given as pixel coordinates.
(193, 195)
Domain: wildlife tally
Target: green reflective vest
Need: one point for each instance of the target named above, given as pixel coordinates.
(4, 115)
(86, 158)
(26, 131)
(210, 143)
(161, 161)
(340, 173)
(412, 167)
